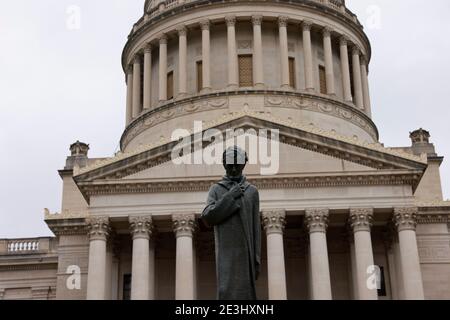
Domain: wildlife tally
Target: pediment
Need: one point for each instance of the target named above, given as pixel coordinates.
(304, 150)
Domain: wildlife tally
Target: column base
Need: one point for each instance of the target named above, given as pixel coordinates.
(232, 87)
(206, 90)
(311, 90)
(286, 87)
(259, 86)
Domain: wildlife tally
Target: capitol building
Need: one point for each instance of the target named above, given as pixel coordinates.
(343, 211)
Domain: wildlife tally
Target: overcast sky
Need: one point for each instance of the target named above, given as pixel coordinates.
(59, 84)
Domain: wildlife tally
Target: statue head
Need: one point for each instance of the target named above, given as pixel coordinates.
(234, 161)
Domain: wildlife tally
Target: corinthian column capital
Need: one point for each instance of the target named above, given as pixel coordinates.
(317, 220)
(163, 39)
(306, 25)
(184, 225)
(361, 219)
(141, 226)
(205, 24)
(326, 31)
(257, 20)
(405, 218)
(274, 221)
(230, 20)
(98, 228)
(148, 48)
(182, 30)
(283, 21)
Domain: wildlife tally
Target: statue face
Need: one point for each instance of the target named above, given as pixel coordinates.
(234, 170)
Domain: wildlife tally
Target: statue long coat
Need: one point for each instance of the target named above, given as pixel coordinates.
(237, 232)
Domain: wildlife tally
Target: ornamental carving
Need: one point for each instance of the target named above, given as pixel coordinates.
(361, 219)
(184, 225)
(141, 227)
(317, 220)
(405, 218)
(274, 221)
(98, 228)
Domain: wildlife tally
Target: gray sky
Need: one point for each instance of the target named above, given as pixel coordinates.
(59, 85)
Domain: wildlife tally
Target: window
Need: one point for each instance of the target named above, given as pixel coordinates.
(292, 74)
(126, 287)
(170, 85)
(199, 76)
(245, 71)
(323, 80)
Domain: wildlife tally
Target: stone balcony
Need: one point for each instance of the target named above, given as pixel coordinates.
(160, 10)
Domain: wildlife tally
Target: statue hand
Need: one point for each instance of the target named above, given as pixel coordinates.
(236, 191)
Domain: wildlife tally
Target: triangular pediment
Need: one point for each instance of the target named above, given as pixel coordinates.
(303, 149)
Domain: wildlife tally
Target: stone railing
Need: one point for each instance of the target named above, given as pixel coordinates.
(26, 246)
(159, 8)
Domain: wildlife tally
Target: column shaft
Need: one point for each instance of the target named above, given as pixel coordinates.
(284, 51)
(182, 74)
(274, 223)
(307, 47)
(405, 220)
(317, 222)
(163, 68)
(233, 75)
(137, 102)
(357, 84)
(147, 77)
(129, 112)
(98, 235)
(206, 52)
(365, 87)
(258, 68)
(329, 68)
(361, 222)
(184, 226)
(345, 70)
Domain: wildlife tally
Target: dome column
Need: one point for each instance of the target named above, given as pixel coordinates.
(147, 76)
(345, 69)
(163, 68)
(284, 53)
(129, 111)
(137, 102)
(329, 68)
(206, 52)
(365, 87)
(357, 84)
(307, 47)
(233, 79)
(182, 64)
(258, 53)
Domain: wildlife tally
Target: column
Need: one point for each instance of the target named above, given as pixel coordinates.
(353, 276)
(206, 52)
(357, 84)
(98, 234)
(284, 53)
(137, 102)
(233, 76)
(307, 47)
(184, 227)
(258, 67)
(141, 230)
(274, 222)
(329, 68)
(163, 68)
(361, 222)
(129, 113)
(147, 76)
(182, 63)
(345, 69)
(405, 220)
(365, 87)
(317, 223)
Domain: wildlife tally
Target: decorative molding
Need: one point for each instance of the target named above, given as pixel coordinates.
(316, 220)
(141, 227)
(274, 221)
(245, 44)
(433, 218)
(184, 225)
(405, 218)
(361, 219)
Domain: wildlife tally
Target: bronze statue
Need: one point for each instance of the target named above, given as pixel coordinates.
(233, 209)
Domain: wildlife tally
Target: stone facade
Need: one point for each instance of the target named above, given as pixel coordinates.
(341, 205)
